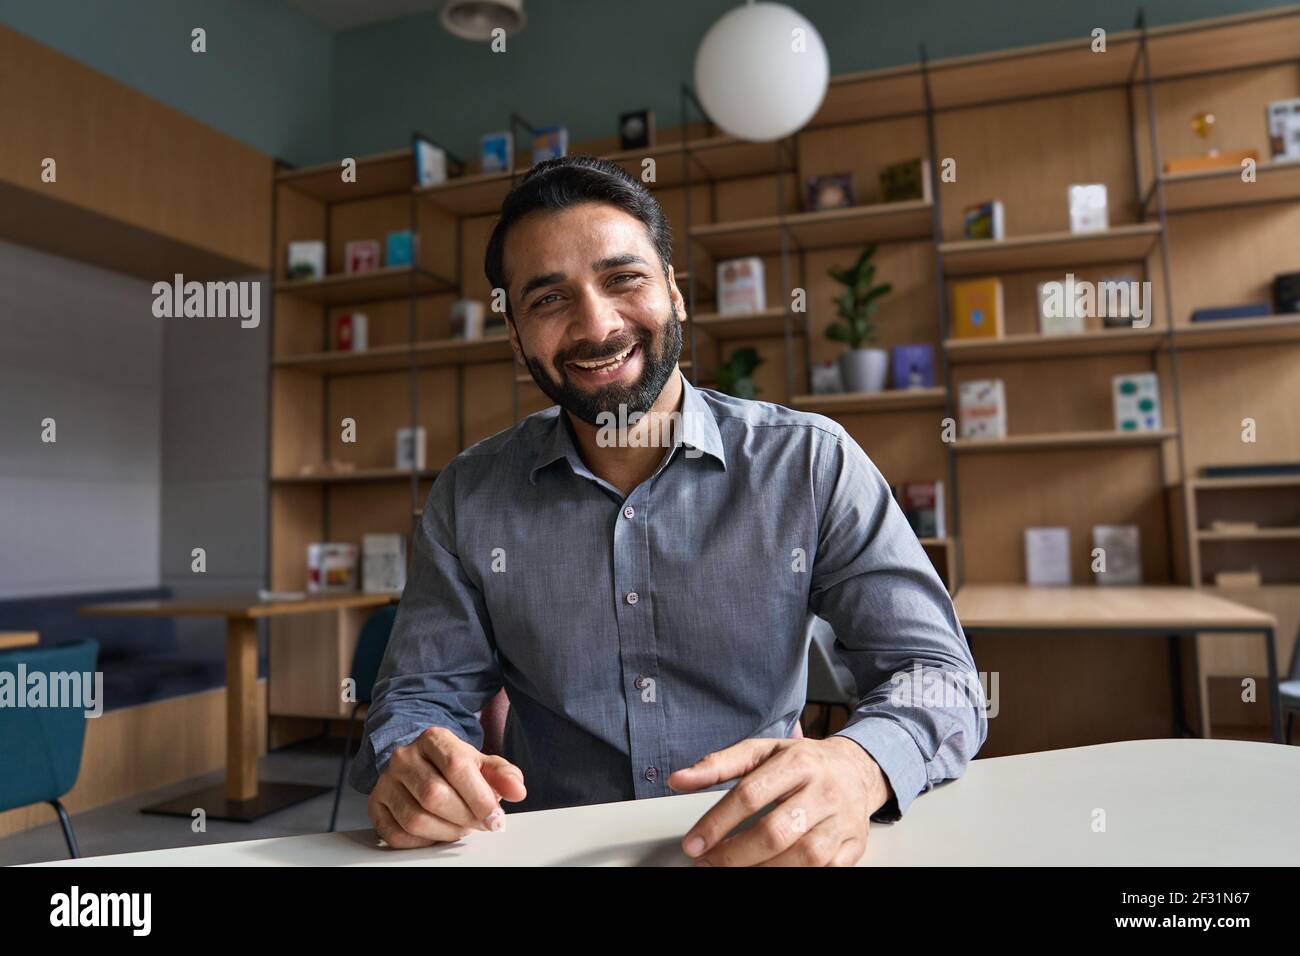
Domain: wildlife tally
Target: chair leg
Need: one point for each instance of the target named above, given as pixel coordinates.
(343, 768)
(66, 822)
(1290, 719)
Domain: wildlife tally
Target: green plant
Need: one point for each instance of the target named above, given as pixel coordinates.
(735, 375)
(858, 302)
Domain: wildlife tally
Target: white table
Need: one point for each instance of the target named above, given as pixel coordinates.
(1167, 802)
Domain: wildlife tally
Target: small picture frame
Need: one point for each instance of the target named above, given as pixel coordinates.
(361, 255)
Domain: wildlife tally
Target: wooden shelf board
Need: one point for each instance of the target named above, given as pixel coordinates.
(1254, 534)
(891, 400)
(389, 282)
(1223, 43)
(384, 358)
(745, 325)
(1043, 442)
(1216, 188)
(379, 174)
(1264, 330)
(824, 229)
(1252, 481)
(1035, 345)
(69, 230)
(478, 194)
(870, 95)
(935, 542)
(359, 475)
(1129, 243)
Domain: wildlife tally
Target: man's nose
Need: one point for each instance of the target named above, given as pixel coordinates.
(595, 319)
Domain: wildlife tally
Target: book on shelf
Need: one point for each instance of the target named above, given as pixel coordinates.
(361, 255)
(409, 448)
(1253, 310)
(1088, 207)
(1283, 118)
(331, 567)
(908, 180)
(550, 142)
(986, 220)
(1047, 557)
(1057, 311)
(1116, 554)
(351, 332)
(399, 248)
(976, 309)
(982, 406)
(430, 161)
(923, 506)
(1283, 469)
(829, 191)
(740, 286)
(466, 320)
(306, 259)
(1286, 293)
(913, 366)
(383, 563)
(497, 152)
(1136, 402)
(636, 130)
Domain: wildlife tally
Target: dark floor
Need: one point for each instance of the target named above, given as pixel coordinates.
(121, 827)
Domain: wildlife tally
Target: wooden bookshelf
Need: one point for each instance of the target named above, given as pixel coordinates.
(388, 282)
(1266, 330)
(1037, 346)
(890, 400)
(1057, 250)
(745, 325)
(382, 174)
(824, 229)
(400, 357)
(1063, 440)
(1275, 181)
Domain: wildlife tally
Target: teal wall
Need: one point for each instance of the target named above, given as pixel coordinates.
(265, 79)
(280, 81)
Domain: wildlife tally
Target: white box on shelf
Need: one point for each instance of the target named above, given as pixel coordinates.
(1088, 208)
(1047, 557)
(331, 567)
(383, 563)
(306, 259)
(1137, 402)
(982, 405)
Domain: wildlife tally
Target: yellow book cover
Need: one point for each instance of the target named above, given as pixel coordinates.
(976, 309)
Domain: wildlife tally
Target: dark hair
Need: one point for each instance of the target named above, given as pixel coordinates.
(568, 181)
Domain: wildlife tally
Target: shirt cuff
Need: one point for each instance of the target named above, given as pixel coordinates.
(896, 752)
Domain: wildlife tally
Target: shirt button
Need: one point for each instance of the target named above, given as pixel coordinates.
(652, 774)
(632, 597)
(629, 512)
(639, 683)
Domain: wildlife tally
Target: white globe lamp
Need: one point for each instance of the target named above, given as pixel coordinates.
(761, 72)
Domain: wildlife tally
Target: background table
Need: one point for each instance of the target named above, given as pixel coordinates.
(1151, 611)
(1166, 802)
(241, 798)
(10, 640)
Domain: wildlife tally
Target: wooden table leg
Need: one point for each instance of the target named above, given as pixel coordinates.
(241, 708)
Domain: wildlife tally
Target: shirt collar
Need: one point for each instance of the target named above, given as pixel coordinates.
(699, 430)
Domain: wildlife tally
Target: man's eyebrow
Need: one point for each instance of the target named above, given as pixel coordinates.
(536, 282)
(613, 262)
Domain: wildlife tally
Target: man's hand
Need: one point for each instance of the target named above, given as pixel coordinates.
(437, 788)
(824, 790)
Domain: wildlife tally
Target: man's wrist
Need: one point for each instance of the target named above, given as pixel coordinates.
(879, 791)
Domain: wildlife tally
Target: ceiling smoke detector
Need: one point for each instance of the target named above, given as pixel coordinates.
(476, 19)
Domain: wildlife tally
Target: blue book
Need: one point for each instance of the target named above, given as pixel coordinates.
(1251, 311)
(913, 366)
(399, 248)
(497, 153)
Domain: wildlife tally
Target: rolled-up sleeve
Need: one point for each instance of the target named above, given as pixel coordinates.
(441, 667)
(920, 712)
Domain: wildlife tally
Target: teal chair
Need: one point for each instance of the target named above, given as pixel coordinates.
(40, 747)
(371, 645)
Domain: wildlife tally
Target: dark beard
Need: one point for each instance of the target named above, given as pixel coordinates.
(640, 396)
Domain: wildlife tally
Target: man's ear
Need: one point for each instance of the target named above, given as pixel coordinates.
(676, 294)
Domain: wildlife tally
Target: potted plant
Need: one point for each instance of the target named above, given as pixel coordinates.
(863, 369)
(736, 375)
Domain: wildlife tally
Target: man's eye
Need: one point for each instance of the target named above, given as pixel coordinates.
(624, 277)
(544, 300)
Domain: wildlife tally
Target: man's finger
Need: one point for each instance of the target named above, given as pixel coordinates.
(505, 778)
(435, 794)
(460, 764)
(735, 761)
(778, 776)
(417, 821)
(818, 847)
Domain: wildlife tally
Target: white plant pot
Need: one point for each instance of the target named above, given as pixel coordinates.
(864, 370)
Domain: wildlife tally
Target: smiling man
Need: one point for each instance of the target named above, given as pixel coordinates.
(645, 604)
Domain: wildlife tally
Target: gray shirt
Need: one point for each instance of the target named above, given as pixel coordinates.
(636, 634)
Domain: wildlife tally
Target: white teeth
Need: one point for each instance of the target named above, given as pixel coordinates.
(607, 364)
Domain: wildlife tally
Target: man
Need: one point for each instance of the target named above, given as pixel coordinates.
(645, 603)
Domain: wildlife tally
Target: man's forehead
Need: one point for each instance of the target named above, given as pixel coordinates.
(578, 236)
